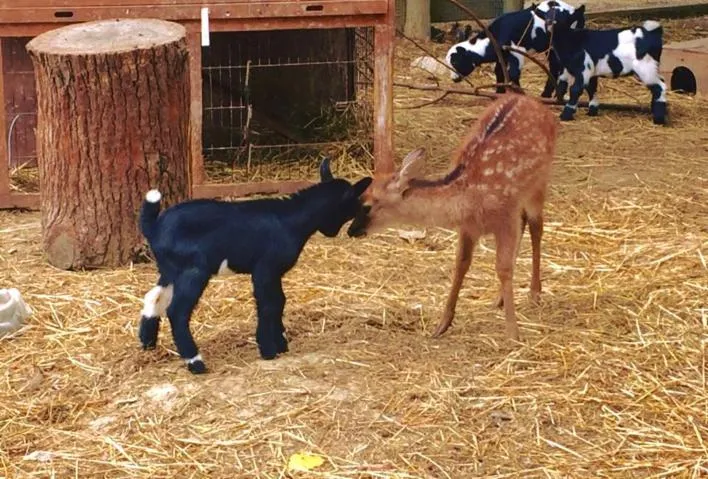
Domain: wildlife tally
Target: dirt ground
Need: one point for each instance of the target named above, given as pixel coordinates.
(609, 381)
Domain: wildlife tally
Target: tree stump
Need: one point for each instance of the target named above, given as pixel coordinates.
(113, 122)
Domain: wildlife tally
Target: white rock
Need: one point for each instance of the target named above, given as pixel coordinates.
(13, 311)
(40, 456)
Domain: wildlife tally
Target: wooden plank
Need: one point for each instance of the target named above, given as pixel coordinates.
(644, 13)
(383, 97)
(213, 190)
(196, 160)
(4, 163)
(28, 201)
(298, 9)
(232, 25)
(71, 4)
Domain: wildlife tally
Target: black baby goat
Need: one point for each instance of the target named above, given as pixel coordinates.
(195, 240)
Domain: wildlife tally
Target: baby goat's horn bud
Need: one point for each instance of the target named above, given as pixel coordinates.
(325, 173)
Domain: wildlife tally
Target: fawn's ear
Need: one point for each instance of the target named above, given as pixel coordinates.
(412, 167)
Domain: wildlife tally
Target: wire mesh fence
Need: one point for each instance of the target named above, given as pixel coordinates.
(273, 102)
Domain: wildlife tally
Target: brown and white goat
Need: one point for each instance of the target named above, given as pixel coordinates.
(498, 184)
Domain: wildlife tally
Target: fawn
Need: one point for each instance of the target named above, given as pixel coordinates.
(497, 185)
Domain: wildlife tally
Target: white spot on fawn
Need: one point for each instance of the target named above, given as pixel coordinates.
(488, 172)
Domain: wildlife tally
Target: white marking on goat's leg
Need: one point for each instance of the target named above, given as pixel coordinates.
(193, 360)
(155, 305)
(150, 303)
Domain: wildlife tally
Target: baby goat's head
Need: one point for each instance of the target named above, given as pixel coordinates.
(348, 204)
(559, 15)
(382, 201)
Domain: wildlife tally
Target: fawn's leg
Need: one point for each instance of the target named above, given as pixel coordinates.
(507, 241)
(465, 248)
(524, 219)
(536, 230)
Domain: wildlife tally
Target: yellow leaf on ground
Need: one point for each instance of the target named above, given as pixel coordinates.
(304, 462)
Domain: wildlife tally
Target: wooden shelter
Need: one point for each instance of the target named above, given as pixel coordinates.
(22, 20)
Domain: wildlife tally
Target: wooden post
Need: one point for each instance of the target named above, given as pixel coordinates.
(113, 122)
(417, 23)
(383, 96)
(4, 163)
(196, 160)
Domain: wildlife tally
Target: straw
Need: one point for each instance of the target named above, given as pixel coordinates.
(610, 380)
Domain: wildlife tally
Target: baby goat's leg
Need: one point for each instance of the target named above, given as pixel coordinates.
(188, 289)
(499, 73)
(648, 72)
(270, 302)
(593, 104)
(155, 305)
(465, 248)
(507, 241)
(555, 69)
(575, 91)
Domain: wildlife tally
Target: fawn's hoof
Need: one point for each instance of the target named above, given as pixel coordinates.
(593, 111)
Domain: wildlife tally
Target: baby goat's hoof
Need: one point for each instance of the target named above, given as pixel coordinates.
(196, 365)
(593, 111)
(147, 332)
(282, 346)
(567, 114)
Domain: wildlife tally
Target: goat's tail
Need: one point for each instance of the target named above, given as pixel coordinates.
(652, 41)
(149, 212)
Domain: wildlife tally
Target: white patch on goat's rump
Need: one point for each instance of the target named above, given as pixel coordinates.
(559, 4)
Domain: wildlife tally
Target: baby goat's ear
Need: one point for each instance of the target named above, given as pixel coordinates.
(412, 167)
(325, 172)
(361, 186)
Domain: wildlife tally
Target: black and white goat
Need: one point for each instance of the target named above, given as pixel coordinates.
(524, 30)
(585, 55)
(195, 240)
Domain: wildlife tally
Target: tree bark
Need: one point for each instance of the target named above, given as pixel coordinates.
(113, 122)
(417, 19)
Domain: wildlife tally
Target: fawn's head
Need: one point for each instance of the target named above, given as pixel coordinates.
(387, 192)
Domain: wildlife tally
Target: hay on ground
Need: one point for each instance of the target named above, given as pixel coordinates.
(610, 380)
